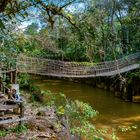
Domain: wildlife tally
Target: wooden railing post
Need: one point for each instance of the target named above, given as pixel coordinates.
(21, 111)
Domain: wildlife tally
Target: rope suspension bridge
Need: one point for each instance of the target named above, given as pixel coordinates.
(58, 68)
(55, 68)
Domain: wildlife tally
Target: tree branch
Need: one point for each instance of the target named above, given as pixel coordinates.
(3, 4)
(67, 4)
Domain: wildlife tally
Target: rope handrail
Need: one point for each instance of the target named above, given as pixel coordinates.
(48, 66)
(59, 68)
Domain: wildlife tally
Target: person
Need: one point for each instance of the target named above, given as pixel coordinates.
(14, 95)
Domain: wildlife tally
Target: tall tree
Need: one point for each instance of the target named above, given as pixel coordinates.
(21, 8)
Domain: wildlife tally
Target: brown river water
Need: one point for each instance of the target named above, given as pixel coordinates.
(113, 112)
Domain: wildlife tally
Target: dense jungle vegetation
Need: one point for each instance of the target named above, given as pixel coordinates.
(93, 30)
(70, 30)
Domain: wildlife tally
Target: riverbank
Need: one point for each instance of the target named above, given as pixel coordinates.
(42, 123)
(124, 86)
(53, 117)
(114, 113)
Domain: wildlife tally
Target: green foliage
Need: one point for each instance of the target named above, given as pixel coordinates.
(113, 136)
(48, 98)
(134, 74)
(18, 129)
(80, 111)
(3, 133)
(57, 99)
(35, 95)
(79, 115)
(32, 29)
(100, 33)
(87, 130)
(24, 81)
(105, 30)
(126, 129)
(60, 110)
(2, 26)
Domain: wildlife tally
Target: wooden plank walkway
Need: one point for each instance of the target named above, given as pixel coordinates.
(13, 120)
(11, 112)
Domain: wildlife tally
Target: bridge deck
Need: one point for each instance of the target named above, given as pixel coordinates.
(56, 68)
(78, 70)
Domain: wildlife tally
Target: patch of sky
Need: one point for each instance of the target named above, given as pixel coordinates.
(33, 17)
(73, 8)
(34, 13)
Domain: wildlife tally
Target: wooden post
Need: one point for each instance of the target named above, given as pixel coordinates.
(0, 84)
(14, 77)
(3, 88)
(21, 112)
(11, 77)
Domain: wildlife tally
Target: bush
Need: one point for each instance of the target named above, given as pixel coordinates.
(78, 114)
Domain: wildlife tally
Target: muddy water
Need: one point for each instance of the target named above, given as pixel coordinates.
(114, 112)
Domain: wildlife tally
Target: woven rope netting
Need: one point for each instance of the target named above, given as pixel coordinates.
(76, 69)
